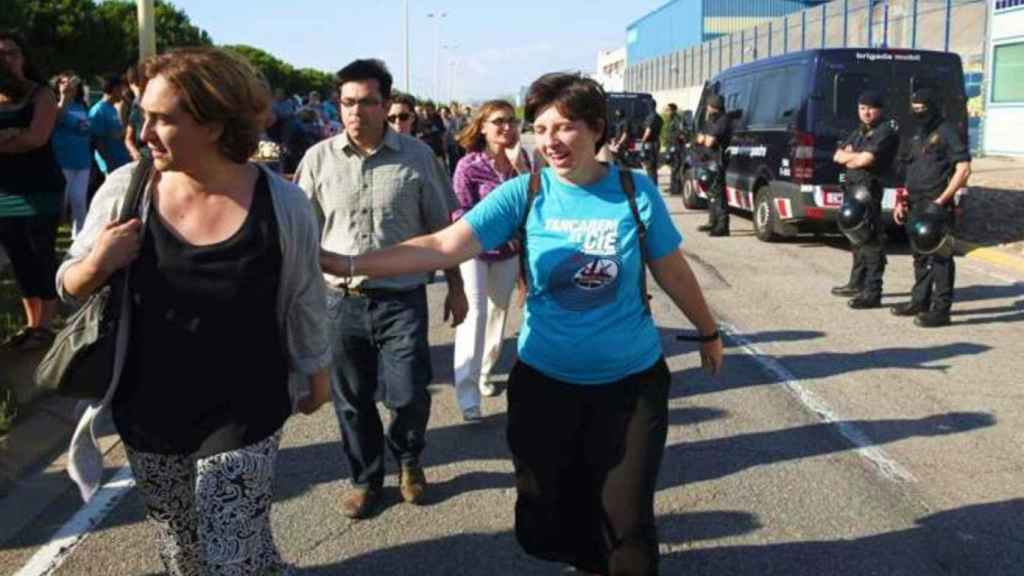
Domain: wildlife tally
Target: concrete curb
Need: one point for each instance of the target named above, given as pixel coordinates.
(991, 255)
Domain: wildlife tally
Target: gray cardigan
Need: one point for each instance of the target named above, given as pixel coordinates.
(301, 303)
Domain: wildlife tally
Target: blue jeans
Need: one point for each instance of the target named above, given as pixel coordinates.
(380, 339)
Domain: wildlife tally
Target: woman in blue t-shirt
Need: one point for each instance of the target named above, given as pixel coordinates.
(588, 398)
(71, 144)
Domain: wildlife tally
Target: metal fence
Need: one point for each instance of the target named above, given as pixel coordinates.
(946, 25)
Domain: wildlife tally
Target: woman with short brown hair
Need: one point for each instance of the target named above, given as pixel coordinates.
(588, 396)
(225, 303)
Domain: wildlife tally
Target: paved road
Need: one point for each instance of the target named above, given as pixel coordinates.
(836, 442)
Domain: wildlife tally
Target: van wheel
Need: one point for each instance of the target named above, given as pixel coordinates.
(690, 198)
(765, 218)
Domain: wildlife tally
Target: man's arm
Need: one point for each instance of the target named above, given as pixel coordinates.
(956, 182)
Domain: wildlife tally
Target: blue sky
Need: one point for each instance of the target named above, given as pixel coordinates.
(498, 46)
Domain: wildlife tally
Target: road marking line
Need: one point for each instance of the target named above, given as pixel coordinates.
(888, 467)
(63, 543)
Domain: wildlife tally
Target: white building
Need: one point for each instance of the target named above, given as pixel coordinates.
(1004, 104)
(611, 69)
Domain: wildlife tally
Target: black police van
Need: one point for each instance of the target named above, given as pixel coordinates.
(636, 106)
(789, 112)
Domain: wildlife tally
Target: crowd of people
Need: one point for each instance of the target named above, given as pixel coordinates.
(258, 291)
(297, 123)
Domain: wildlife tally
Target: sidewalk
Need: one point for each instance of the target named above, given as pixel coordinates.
(991, 227)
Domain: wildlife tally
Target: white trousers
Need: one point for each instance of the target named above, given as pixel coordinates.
(75, 192)
(478, 339)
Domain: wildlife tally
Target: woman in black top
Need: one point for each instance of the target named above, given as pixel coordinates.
(31, 189)
(203, 395)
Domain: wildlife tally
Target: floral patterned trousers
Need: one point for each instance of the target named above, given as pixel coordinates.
(212, 514)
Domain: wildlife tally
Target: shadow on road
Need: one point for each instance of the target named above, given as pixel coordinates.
(978, 539)
(818, 365)
(703, 460)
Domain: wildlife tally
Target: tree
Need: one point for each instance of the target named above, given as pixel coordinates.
(93, 39)
(282, 75)
(119, 24)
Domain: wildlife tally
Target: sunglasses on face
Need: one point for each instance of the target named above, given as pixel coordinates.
(503, 122)
(400, 117)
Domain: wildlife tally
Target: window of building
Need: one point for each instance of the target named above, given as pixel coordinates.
(1008, 4)
(1008, 73)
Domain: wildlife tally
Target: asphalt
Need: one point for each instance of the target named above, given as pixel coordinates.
(835, 442)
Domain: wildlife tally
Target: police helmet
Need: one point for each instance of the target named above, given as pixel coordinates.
(856, 215)
(703, 175)
(930, 233)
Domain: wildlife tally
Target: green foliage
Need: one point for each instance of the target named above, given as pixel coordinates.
(96, 38)
(282, 75)
(93, 39)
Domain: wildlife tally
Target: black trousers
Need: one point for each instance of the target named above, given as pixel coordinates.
(651, 152)
(30, 243)
(934, 275)
(869, 258)
(586, 461)
(718, 206)
(675, 184)
(380, 340)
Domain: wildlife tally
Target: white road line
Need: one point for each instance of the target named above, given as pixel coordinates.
(887, 467)
(63, 543)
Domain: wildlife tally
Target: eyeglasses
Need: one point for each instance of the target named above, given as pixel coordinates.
(502, 122)
(400, 117)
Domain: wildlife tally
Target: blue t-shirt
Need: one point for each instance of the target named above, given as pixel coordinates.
(71, 138)
(108, 130)
(585, 319)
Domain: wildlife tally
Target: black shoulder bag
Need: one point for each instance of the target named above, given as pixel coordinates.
(80, 363)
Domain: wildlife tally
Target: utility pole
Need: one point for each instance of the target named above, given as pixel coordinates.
(405, 34)
(451, 50)
(437, 16)
(147, 29)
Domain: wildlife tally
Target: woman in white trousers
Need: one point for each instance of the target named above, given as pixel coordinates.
(491, 140)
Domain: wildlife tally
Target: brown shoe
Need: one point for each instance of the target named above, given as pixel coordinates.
(412, 483)
(360, 502)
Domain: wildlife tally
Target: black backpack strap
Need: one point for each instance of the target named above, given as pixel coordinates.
(130, 209)
(629, 188)
(531, 195)
(136, 190)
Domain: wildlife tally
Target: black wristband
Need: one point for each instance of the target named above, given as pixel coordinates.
(701, 337)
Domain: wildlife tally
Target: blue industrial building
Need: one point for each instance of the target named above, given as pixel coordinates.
(680, 24)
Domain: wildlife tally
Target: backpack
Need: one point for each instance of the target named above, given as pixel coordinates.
(629, 188)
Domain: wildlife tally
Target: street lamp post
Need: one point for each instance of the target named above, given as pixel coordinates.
(452, 50)
(437, 16)
(147, 29)
(405, 34)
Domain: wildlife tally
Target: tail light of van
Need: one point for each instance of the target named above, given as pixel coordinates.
(803, 157)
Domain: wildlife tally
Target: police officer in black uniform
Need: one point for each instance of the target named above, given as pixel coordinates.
(867, 154)
(675, 133)
(651, 140)
(714, 139)
(938, 165)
